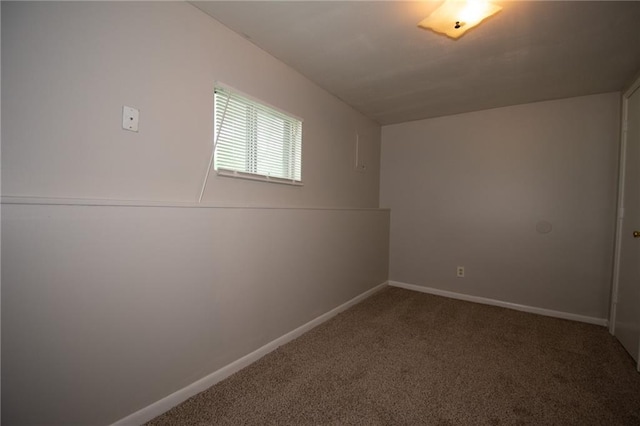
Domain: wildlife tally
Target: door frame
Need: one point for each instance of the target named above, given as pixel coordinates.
(620, 208)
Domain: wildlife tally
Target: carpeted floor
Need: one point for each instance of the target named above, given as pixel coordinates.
(407, 358)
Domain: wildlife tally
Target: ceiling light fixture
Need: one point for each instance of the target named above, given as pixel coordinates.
(455, 17)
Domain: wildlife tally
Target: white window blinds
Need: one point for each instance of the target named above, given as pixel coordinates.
(254, 140)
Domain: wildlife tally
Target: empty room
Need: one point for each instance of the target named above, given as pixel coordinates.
(320, 212)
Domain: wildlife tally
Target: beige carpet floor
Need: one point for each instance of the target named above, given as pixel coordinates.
(407, 358)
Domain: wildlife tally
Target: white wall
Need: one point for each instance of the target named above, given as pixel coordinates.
(68, 68)
(469, 190)
(107, 309)
(0, 222)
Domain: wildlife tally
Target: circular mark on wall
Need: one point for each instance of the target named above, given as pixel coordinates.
(543, 227)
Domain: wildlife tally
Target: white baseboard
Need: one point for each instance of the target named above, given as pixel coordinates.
(165, 404)
(486, 301)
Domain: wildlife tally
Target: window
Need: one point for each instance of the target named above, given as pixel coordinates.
(255, 141)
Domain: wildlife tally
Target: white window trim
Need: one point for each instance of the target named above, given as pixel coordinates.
(260, 178)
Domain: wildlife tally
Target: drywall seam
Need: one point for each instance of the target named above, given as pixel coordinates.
(493, 302)
(168, 402)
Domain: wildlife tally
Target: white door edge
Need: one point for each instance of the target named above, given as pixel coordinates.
(620, 209)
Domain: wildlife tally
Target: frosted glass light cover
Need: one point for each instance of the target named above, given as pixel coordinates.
(463, 14)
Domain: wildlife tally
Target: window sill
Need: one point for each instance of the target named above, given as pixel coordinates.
(256, 177)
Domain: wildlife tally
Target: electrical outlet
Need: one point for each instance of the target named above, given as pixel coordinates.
(460, 271)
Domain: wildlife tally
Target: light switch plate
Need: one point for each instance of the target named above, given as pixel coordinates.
(130, 118)
(360, 165)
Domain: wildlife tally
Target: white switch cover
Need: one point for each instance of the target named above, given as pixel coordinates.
(130, 118)
(360, 165)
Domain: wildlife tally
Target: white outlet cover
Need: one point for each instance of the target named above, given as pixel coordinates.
(130, 117)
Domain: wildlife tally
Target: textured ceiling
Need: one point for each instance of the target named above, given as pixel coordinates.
(372, 55)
